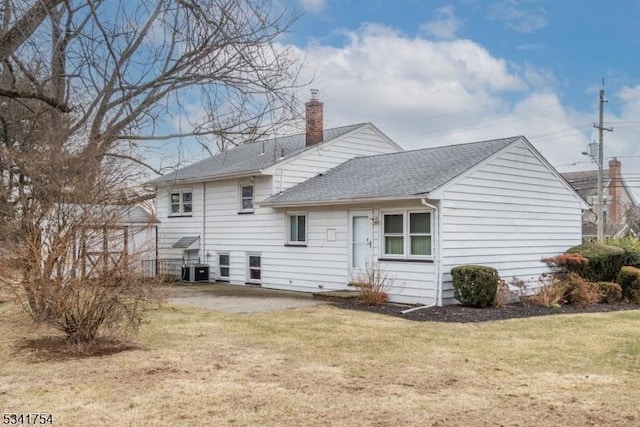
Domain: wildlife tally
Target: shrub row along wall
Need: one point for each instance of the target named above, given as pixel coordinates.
(614, 271)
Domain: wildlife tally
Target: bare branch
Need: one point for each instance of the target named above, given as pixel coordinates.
(23, 28)
(134, 160)
(17, 94)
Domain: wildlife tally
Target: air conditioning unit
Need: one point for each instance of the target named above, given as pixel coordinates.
(195, 273)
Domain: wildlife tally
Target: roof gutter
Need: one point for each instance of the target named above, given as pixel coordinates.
(334, 202)
(204, 178)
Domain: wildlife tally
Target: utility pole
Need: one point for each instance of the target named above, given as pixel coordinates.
(601, 129)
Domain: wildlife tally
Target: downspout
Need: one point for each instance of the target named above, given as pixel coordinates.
(204, 225)
(424, 202)
(437, 254)
(157, 254)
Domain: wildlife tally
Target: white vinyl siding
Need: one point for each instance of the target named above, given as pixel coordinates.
(508, 214)
(365, 142)
(170, 230)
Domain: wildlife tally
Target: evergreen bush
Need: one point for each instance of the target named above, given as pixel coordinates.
(604, 261)
(631, 247)
(609, 292)
(475, 285)
(629, 280)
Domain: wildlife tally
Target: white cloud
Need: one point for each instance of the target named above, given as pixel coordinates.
(426, 93)
(623, 142)
(630, 94)
(445, 25)
(313, 6)
(516, 16)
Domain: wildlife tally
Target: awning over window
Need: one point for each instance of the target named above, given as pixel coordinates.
(185, 242)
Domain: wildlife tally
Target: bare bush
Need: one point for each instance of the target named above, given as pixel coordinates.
(557, 289)
(504, 295)
(580, 292)
(549, 293)
(372, 284)
(76, 268)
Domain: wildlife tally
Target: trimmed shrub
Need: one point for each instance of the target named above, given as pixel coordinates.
(604, 262)
(629, 280)
(631, 247)
(475, 285)
(609, 292)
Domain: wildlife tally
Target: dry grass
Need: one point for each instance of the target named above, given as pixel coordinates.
(326, 366)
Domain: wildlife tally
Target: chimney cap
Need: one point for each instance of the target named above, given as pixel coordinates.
(314, 94)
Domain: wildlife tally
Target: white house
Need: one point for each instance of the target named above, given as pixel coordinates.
(308, 211)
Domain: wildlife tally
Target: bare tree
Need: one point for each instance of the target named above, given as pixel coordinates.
(125, 67)
(86, 84)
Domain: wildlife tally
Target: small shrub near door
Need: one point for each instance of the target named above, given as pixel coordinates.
(373, 285)
(475, 285)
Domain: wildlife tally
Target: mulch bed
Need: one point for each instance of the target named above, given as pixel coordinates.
(460, 314)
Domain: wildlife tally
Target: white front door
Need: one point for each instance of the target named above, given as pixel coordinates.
(361, 233)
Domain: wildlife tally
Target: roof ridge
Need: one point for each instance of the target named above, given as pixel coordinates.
(437, 147)
(247, 154)
(276, 138)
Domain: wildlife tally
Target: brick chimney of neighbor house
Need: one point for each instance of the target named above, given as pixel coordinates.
(615, 189)
(314, 118)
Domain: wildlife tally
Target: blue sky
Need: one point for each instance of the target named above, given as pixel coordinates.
(431, 73)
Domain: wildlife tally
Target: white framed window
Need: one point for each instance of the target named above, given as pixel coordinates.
(407, 234)
(393, 234)
(181, 203)
(223, 265)
(246, 198)
(419, 234)
(297, 228)
(254, 268)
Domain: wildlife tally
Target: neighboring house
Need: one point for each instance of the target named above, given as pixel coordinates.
(307, 212)
(619, 201)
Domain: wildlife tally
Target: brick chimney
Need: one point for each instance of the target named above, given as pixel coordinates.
(616, 210)
(314, 118)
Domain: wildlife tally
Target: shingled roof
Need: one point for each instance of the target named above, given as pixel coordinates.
(408, 173)
(586, 182)
(248, 158)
